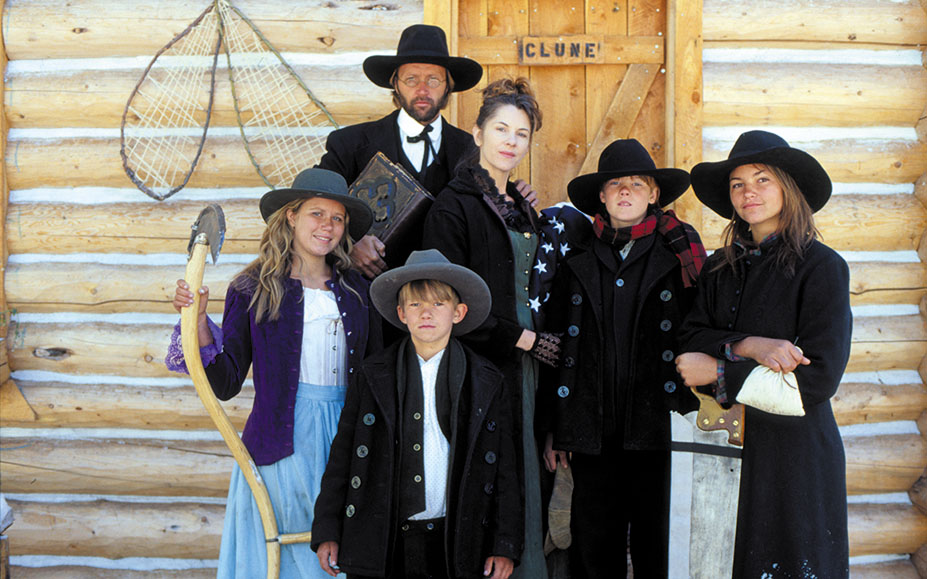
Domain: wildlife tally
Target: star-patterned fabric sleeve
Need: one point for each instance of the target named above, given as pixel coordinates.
(561, 227)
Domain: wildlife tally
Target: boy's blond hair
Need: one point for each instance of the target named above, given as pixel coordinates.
(428, 288)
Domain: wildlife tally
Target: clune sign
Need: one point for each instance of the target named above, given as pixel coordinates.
(560, 50)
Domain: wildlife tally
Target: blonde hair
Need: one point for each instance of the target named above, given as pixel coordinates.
(796, 227)
(268, 273)
(506, 91)
(422, 289)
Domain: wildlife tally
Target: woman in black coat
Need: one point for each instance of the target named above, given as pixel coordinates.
(481, 222)
(774, 296)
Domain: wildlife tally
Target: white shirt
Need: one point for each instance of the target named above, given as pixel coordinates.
(409, 127)
(323, 353)
(435, 446)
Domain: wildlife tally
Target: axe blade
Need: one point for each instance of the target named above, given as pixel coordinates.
(209, 228)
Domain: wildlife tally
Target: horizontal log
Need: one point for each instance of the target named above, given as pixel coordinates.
(850, 21)
(191, 530)
(864, 403)
(82, 162)
(115, 530)
(891, 222)
(141, 228)
(75, 572)
(98, 28)
(82, 98)
(854, 160)
(802, 94)
(902, 569)
(880, 343)
(877, 529)
(886, 282)
(116, 467)
(875, 464)
(101, 348)
(884, 464)
(61, 404)
(105, 288)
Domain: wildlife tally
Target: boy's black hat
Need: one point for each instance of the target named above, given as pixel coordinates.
(321, 183)
(622, 158)
(431, 264)
(426, 44)
(710, 180)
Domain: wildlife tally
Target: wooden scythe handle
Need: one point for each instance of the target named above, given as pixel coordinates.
(191, 353)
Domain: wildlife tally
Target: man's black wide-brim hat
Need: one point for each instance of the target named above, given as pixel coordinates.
(711, 180)
(426, 44)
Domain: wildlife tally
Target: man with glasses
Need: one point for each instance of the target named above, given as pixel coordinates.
(422, 76)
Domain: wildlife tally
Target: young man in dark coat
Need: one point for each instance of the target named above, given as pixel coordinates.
(421, 480)
(422, 76)
(619, 300)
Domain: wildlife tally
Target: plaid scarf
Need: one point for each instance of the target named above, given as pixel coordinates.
(682, 239)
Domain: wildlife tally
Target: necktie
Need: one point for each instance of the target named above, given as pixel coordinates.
(423, 136)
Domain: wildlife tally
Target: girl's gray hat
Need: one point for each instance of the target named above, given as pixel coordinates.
(431, 264)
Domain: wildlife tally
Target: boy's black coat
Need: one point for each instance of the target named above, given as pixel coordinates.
(484, 504)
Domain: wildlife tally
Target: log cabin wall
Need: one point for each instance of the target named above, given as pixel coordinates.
(110, 463)
(845, 81)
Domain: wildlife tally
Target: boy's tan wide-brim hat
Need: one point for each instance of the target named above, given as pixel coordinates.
(431, 264)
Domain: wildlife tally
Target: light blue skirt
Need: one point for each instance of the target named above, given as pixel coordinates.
(293, 485)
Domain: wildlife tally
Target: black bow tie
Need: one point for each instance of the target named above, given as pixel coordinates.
(423, 136)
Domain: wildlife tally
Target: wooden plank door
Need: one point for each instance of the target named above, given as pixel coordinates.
(598, 68)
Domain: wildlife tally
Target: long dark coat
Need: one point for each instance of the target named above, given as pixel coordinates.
(792, 519)
(358, 504)
(349, 149)
(572, 397)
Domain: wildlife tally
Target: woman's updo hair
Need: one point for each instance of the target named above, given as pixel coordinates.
(506, 91)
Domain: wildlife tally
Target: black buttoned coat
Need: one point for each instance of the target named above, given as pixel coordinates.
(792, 516)
(349, 149)
(571, 397)
(358, 503)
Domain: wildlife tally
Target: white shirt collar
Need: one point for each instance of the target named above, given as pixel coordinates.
(409, 127)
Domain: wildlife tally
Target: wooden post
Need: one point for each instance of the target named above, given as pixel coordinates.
(684, 97)
(444, 13)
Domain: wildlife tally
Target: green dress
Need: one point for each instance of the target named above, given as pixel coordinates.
(533, 565)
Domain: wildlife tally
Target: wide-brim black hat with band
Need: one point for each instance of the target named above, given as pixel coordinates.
(711, 181)
(431, 264)
(328, 185)
(426, 44)
(620, 159)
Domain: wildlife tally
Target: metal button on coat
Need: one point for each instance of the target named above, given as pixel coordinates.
(569, 362)
(666, 325)
(619, 282)
(490, 457)
(355, 482)
(669, 386)
(573, 331)
(369, 419)
(576, 299)
(491, 426)
(405, 526)
(349, 511)
(488, 488)
(430, 526)
(563, 391)
(666, 295)
(667, 355)
(417, 478)
(417, 416)
(362, 451)
(416, 447)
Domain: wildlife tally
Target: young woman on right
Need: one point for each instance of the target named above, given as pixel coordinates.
(774, 296)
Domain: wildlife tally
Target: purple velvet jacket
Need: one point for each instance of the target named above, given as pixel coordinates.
(273, 349)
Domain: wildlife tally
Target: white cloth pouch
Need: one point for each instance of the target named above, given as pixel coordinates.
(773, 392)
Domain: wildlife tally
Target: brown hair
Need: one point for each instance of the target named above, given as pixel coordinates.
(421, 289)
(506, 91)
(268, 273)
(796, 226)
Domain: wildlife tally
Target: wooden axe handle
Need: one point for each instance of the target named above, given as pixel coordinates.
(191, 353)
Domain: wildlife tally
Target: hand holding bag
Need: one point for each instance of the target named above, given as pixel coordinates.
(773, 392)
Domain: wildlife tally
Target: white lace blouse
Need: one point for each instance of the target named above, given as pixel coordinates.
(324, 351)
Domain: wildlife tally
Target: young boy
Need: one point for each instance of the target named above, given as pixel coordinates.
(421, 481)
(620, 299)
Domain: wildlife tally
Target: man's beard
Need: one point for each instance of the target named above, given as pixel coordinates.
(423, 115)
